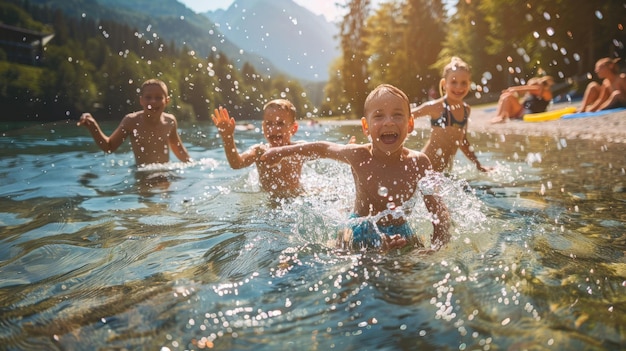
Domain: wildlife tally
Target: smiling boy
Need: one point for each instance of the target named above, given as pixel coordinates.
(152, 132)
(281, 180)
(386, 173)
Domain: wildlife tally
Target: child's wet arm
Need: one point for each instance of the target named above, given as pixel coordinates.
(179, 149)
(237, 160)
(469, 152)
(441, 220)
(308, 150)
(111, 143)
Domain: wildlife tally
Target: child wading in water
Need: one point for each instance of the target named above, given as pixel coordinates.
(449, 116)
(152, 132)
(386, 174)
(279, 125)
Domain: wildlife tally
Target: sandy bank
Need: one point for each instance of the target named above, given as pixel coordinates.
(609, 128)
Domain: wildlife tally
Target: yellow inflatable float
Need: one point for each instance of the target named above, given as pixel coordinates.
(548, 115)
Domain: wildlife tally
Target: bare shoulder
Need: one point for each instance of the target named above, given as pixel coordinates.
(259, 148)
(419, 158)
(134, 115)
(416, 155)
(132, 118)
(169, 118)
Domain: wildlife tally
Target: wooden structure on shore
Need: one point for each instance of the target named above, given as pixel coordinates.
(22, 45)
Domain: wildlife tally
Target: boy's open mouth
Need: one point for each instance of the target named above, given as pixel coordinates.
(389, 138)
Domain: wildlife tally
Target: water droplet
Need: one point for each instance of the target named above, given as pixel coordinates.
(382, 191)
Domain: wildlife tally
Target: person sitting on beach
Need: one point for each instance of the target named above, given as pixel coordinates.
(279, 125)
(536, 99)
(152, 132)
(449, 116)
(386, 175)
(608, 95)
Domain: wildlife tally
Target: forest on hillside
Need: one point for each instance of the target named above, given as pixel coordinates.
(99, 66)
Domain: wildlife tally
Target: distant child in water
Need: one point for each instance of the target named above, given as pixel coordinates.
(386, 174)
(279, 125)
(152, 132)
(611, 93)
(449, 116)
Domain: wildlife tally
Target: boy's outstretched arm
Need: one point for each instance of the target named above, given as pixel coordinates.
(107, 144)
(441, 221)
(437, 208)
(176, 144)
(226, 127)
(467, 149)
(310, 150)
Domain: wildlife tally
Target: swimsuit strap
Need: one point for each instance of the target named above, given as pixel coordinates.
(447, 118)
(450, 117)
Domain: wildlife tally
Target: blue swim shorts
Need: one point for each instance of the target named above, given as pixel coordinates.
(366, 233)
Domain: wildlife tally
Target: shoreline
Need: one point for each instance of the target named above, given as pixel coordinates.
(610, 127)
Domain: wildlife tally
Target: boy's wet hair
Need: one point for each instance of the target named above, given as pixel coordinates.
(158, 82)
(385, 88)
(282, 104)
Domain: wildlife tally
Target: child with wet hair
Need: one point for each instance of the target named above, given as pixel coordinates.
(152, 132)
(281, 180)
(386, 175)
(611, 93)
(449, 116)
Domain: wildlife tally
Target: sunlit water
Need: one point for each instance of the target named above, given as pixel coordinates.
(96, 254)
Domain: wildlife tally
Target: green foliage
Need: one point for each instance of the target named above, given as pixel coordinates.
(355, 70)
(407, 43)
(99, 66)
(20, 90)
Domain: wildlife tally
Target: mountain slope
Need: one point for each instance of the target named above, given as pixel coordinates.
(169, 20)
(290, 36)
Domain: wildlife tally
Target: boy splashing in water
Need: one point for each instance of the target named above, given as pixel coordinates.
(152, 132)
(386, 174)
(280, 180)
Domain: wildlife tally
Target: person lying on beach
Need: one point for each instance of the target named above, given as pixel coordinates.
(152, 132)
(608, 95)
(537, 97)
(386, 175)
(280, 180)
(449, 116)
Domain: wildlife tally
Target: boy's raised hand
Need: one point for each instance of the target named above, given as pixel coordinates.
(225, 124)
(86, 119)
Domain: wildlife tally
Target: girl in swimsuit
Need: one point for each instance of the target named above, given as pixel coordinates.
(448, 117)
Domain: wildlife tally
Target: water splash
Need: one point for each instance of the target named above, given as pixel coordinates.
(325, 210)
